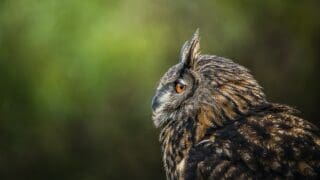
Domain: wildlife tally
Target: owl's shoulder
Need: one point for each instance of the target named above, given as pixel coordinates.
(266, 144)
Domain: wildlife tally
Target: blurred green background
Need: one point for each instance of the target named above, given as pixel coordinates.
(77, 77)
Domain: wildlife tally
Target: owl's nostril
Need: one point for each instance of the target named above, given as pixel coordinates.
(155, 103)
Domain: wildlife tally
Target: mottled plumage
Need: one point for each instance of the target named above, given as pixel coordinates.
(216, 123)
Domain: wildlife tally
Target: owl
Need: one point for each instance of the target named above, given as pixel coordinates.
(216, 123)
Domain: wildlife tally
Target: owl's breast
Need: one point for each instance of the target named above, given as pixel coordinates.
(176, 140)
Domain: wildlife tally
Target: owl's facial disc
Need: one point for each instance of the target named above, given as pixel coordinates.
(174, 89)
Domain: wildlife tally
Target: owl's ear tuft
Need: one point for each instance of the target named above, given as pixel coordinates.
(190, 50)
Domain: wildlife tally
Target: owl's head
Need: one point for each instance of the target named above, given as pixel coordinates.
(206, 84)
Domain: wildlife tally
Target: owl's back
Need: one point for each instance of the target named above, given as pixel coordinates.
(270, 142)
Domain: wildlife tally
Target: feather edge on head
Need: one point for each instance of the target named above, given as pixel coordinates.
(191, 50)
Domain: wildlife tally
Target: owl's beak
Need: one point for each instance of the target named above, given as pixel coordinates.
(155, 103)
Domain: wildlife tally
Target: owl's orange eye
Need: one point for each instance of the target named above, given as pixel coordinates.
(180, 87)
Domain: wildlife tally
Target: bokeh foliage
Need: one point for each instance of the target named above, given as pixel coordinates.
(77, 77)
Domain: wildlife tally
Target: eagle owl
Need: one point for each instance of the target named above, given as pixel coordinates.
(216, 123)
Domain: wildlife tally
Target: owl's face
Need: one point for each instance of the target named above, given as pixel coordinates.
(197, 81)
(175, 90)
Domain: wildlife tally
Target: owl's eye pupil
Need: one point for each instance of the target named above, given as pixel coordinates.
(180, 87)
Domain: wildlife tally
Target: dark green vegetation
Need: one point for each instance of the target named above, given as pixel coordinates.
(77, 77)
